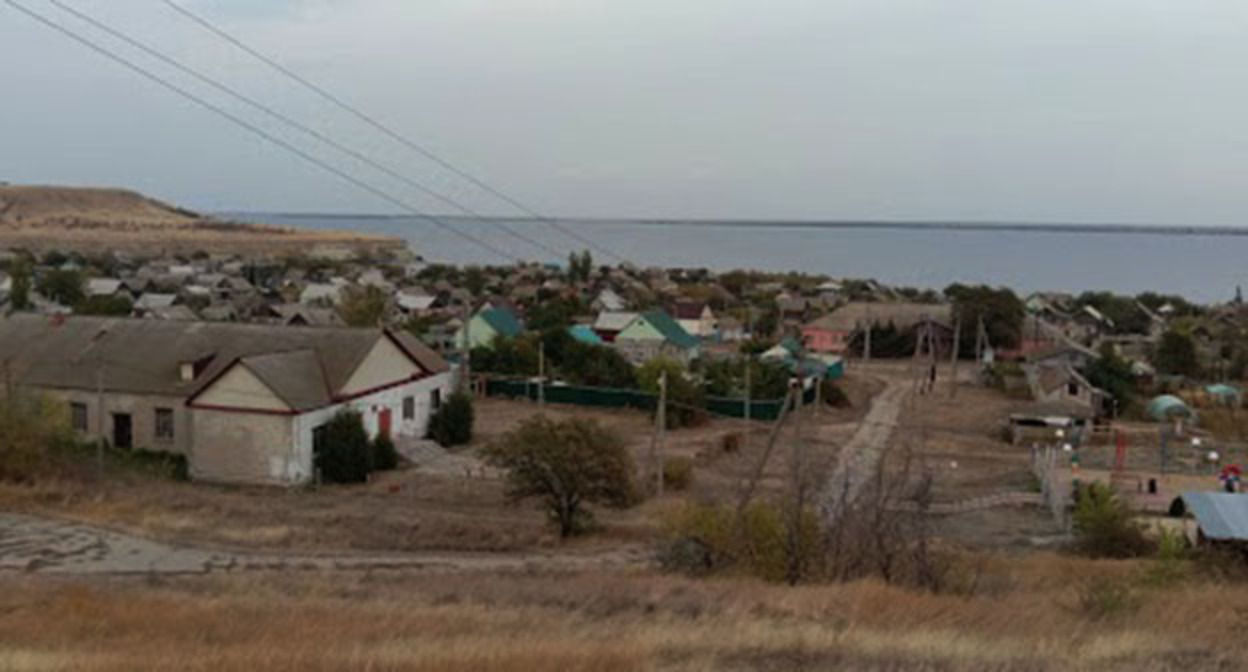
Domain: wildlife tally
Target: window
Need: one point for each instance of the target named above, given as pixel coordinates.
(1072, 389)
(435, 400)
(78, 416)
(409, 408)
(164, 423)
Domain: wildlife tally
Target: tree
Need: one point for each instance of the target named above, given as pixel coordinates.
(685, 401)
(580, 266)
(1105, 526)
(1122, 310)
(345, 454)
(566, 464)
(1001, 310)
(114, 306)
(363, 306)
(19, 295)
(385, 455)
(1176, 354)
(474, 280)
(507, 356)
(554, 313)
(67, 288)
(451, 425)
(726, 378)
(30, 426)
(1112, 374)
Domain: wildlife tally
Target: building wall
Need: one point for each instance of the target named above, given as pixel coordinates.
(383, 365)
(825, 340)
(142, 412)
(240, 388)
(241, 447)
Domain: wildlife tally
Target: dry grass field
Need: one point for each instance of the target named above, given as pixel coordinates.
(1028, 615)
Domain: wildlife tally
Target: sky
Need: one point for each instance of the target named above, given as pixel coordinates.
(1127, 111)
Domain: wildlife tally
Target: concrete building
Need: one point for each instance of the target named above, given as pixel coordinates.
(243, 403)
(833, 332)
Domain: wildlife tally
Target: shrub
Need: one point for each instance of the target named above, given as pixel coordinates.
(834, 396)
(566, 464)
(385, 455)
(345, 455)
(678, 473)
(30, 425)
(1103, 599)
(451, 425)
(1104, 525)
(755, 541)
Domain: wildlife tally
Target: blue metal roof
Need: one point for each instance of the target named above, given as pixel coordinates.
(1221, 515)
(585, 334)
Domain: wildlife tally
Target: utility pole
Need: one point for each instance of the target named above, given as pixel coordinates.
(466, 349)
(798, 470)
(659, 432)
(957, 343)
(866, 348)
(541, 374)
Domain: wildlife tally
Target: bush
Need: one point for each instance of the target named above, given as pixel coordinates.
(678, 473)
(1103, 599)
(834, 396)
(30, 425)
(451, 425)
(566, 464)
(345, 454)
(385, 455)
(755, 541)
(1104, 525)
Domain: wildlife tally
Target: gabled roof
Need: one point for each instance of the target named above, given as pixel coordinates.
(103, 286)
(502, 321)
(1221, 515)
(688, 310)
(585, 334)
(670, 329)
(295, 377)
(855, 315)
(614, 320)
(145, 356)
(154, 301)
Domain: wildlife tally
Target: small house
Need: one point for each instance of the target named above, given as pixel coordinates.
(655, 334)
(487, 326)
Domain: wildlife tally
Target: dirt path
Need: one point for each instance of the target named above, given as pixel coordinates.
(859, 456)
(32, 544)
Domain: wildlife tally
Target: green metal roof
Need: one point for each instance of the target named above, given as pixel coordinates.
(585, 334)
(670, 329)
(1167, 406)
(503, 322)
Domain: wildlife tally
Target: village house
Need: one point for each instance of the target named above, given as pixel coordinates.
(832, 333)
(609, 324)
(655, 334)
(487, 326)
(695, 317)
(242, 403)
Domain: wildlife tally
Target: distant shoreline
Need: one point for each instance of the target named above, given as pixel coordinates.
(933, 225)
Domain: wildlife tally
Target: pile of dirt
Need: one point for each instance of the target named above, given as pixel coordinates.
(93, 220)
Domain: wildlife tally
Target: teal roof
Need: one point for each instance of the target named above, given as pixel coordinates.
(789, 343)
(585, 334)
(502, 321)
(1223, 390)
(670, 329)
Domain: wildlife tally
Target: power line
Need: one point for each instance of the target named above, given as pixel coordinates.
(252, 128)
(386, 130)
(164, 58)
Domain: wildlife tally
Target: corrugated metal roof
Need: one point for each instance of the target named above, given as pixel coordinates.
(1221, 515)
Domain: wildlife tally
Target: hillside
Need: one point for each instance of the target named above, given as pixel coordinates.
(92, 220)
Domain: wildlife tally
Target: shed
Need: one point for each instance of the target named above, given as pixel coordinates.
(1168, 407)
(1227, 395)
(1220, 516)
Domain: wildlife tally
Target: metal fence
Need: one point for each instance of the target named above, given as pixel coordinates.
(606, 397)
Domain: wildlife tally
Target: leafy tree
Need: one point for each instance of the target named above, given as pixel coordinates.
(1000, 309)
(726, 378)
(1176, 354)
(30, 426)
(507, 356)
(1182, 307)
(19, 295)
(114, 306)
(1112, 374)
(345, 455)
(685, 400)
(554, 313)
(474, 280)
(363, 306)
(566, 464)
(887, 341)
(580, 266)
(451, 425)
(67, 288)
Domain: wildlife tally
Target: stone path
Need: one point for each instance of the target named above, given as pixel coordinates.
(31, 544)
(858, 458)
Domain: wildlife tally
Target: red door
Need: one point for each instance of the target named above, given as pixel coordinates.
(383, 422)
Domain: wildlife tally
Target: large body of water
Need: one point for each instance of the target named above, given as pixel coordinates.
(1205, 266)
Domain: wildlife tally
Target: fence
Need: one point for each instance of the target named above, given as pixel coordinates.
(1054, 490)
(606, 397)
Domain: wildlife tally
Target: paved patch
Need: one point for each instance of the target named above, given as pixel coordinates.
(40, 545)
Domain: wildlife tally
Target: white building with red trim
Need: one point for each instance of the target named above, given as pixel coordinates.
(243, 403)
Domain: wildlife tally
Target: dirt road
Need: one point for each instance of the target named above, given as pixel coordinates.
(859, 456)
(31, 544)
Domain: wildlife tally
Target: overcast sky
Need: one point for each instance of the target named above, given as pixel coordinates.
(1038, 110)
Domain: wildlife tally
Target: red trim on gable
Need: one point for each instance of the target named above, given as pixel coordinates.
(382, 388)
(341, 399)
